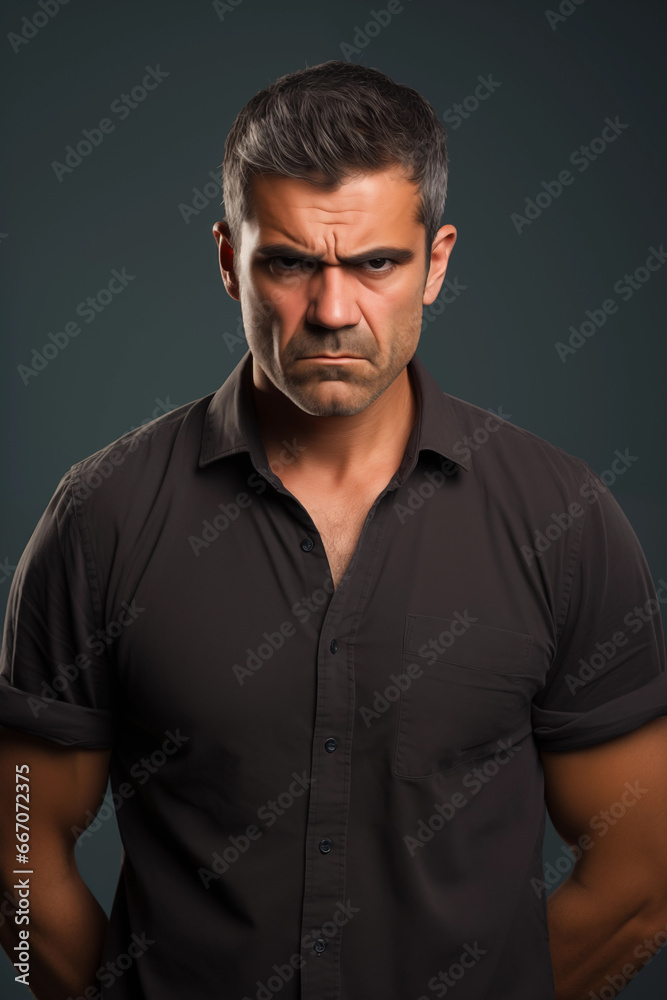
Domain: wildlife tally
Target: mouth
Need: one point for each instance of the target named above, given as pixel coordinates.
(333, 357)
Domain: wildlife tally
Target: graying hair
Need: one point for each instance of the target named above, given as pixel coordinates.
(329, 122)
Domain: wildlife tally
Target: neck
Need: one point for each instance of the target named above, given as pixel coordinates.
(340, 449)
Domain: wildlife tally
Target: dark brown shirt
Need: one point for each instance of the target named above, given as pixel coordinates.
(331, 795)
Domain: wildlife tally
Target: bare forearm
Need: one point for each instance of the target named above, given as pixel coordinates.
(597, 943)
(67, 928)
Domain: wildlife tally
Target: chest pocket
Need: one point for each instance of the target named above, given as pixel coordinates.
(471, 686)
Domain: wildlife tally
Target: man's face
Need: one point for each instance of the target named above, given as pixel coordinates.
(363, 296)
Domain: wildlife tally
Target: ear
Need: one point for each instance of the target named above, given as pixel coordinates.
(221, 234)
(443, 244)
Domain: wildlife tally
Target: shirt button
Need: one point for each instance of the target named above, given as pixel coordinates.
(333, 646)
(330, 745)
(307, 544)
(325, 846)
(319, 945)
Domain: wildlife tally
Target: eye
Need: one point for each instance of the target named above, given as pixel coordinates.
(290, 263)
(299, 264)
(381, 260)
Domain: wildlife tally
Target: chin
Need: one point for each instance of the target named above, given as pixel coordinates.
(318, 406)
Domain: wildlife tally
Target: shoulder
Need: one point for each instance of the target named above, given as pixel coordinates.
(137, 465)
(508, 457)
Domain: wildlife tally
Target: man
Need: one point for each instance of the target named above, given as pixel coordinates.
(336, 636)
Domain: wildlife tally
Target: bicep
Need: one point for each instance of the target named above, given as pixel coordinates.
(610, 800)
(61, 784)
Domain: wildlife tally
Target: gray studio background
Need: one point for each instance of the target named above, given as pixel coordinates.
(171, 335)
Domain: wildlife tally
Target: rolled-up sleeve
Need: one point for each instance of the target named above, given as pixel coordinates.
(608, 675)
(55, 674)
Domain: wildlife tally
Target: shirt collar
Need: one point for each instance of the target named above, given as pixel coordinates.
(231, 426)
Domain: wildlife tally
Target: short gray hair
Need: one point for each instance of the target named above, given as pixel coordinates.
(331, 121)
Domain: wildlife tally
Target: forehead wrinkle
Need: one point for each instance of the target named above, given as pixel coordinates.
(327, 242)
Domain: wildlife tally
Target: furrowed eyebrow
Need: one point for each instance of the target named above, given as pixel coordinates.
(401, 254)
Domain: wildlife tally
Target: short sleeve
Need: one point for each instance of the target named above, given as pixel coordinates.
(608, 675)
(55, 674)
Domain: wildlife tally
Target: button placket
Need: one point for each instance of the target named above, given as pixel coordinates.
(328, 807)
(325, 889)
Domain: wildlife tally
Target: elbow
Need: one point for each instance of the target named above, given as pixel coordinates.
(653, 913)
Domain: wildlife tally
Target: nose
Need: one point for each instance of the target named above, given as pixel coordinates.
(332, 295)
